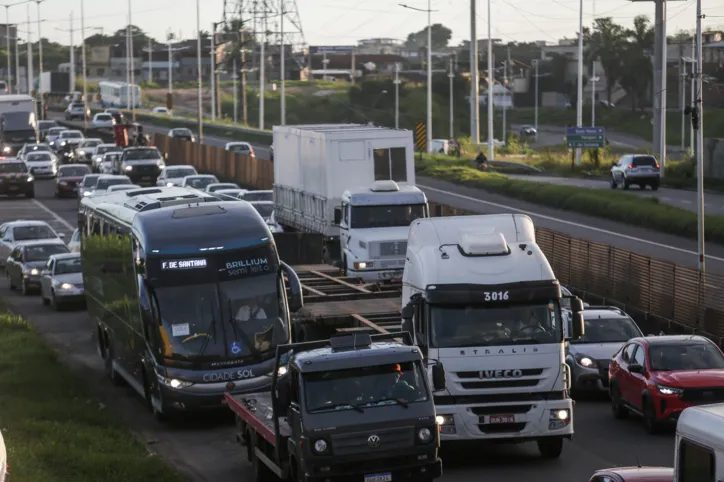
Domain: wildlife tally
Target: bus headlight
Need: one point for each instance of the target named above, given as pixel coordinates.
(320, 446)
(174, 383)
(424, 434)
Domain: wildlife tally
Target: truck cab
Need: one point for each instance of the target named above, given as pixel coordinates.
(354, 407)
(373, 223)
(699, 451)
(480, 297)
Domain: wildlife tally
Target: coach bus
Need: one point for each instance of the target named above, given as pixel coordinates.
(119, 94)
(187, 295)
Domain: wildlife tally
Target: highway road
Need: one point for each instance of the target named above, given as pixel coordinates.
(203, 449)
(658, 245)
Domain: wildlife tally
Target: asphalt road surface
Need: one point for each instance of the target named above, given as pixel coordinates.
(204, 449)
(646, 242)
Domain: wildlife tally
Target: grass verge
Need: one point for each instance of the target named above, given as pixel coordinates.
(53, 426)
(619, 206)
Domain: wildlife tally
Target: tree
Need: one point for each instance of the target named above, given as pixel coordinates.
(606, 43)
(440, 34)
(237, 38)
(636, 76)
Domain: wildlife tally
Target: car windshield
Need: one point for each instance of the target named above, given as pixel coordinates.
(68, 266)
(123, 187)
(608, 330)
(105, 183)
(38, 148)
(76, 236)
(104, 149)
(219, 187)
(180, 172)
(239, 148)
(90, 143)
(46, 125)
(43, 252)
(55, 131)
(231, 318)
(25, 135)
(72, 135)
(365, 387)
(200, 182)
(90, 181)
(252, 196)
(12, 167)
(74, 171)
(182, 132)
(265, 210)
(474, 325)
(38, 156)
(104, 117)
(385, 216)
(685, 356)
(138, 154)
(27, 233)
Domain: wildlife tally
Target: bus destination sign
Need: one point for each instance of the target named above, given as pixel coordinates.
(184, 264)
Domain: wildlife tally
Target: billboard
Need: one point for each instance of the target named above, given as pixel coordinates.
(99, 55)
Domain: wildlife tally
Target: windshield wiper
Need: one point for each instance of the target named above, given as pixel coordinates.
(338, 405)
(205, 343)
(399, 401)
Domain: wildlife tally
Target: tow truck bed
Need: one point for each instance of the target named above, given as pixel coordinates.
(256, 410)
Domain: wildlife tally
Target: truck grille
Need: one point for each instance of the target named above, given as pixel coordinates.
(393, 248)
(481, 380)
(703, 395)
(145, 170)
(357, 442)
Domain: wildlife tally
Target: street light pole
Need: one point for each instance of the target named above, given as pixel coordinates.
(212, 59)
(133, 59)
(692, 140)
(85, 78)
(535, 64)
(491, 86)
(429, 78)
(579, 98)
(451, 75)
(7, 45)
(30, 54)
(397, 95)
(199, 79)
(283, 66)
(474, 76)
(262, 73)
(699, 113)
(594, 79)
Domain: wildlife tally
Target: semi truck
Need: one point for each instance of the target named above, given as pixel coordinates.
(354, 407)
(353, 183)
(480, 297)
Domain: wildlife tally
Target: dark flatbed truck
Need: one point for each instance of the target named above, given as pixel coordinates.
(295, 433)
(336, 304)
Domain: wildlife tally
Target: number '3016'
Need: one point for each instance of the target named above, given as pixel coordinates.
(496, 295)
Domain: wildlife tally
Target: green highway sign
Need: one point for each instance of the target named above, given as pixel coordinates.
(585, 137)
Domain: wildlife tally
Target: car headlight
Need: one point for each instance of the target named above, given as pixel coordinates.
(128, 168)
(424, 434)
(30, 179)
(33, 272)
(63, 183)
(174, 383)
(586, 361)
(66, 286)
(63, 143)
(669, 390)
(169, 184)
(7, 149)
(320, 446)
(81, 153)
(86, 193)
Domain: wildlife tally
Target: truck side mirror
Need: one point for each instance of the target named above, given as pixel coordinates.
(337, 216)
(407, 312)
(284, 392)
(576, 305)
(577, 329)
(296, 300)
(438, 377)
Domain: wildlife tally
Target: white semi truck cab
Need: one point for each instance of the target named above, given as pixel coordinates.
(481, 299)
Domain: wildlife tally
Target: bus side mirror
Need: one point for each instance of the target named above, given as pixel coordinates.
(577, 329)
(296, 300)
(576, 305)
(337, 216)
(284, 390)
(407, 313)
(438, 377)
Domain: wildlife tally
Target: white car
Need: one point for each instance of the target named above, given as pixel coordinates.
(74, 243)
(69, 137)
(53, 134)
(86, 150)
(229, 194)
(105, 181)
(107, 164)
(101, 151)
(18, 232)
(199, 181)
(174, 175)
(42, 164)
(160, 110)
(75, 111)
(103, 120)
(123, 187)
(241, 148)
(222, 185)
(35, 147)
(266, 211)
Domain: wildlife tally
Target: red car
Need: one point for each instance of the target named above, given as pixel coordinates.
(69, 177)
(659, 376)
(634, 474)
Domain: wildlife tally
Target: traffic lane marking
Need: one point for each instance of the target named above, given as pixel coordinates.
(564, 222)
(33, 210)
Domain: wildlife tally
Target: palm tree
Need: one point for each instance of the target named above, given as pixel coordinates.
(605, 43)
(638, 72)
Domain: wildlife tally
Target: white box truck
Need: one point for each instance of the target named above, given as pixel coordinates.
(480, 298)
(17, 103)
(354, 184)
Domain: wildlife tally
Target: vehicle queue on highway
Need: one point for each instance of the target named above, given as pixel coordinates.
(656, 377)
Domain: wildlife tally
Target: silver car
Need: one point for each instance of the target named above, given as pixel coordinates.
(220, 186)
(61, 281)
(174, 175)
(639, 169)
(42, 164)
(607, 329)
(14, 233)
(199, 181)
(27, 261)
(101, 150)
(74, 243)
(86, 150)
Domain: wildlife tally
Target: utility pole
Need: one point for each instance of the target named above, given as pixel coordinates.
(30, 54)
(506, 66)
(150, 60)
(451, 75)
(535, 64)
(692, 139)
(199, 78)
(698, 123)
(128, 64)
(72, 56)
(40, 59)
(262, 72)
(212, 57)
(397, 95)
(429, 78)
(85, 67)
(245, 112)
(661, 88)
(282, 66)
(474, 76)
(682, 97)
(236, 99)
(170, 64)
(9, 77)
(133, 65)
(594, 79)
(491, 86)
(579, 95)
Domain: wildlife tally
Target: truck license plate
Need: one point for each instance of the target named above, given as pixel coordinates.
(502, 419)
(378, 478)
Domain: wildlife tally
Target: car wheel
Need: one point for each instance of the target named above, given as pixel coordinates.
(614, 185)
(655, 186)
(45, 300)
(24, 290)
(618, 409)
(626, 184)
(54, 302)
(651, 421)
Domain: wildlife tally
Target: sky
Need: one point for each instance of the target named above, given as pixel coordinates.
(343, 22)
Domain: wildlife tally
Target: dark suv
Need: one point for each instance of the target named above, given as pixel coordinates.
(15, 178)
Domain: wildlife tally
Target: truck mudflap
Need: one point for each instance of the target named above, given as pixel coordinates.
(413, 472)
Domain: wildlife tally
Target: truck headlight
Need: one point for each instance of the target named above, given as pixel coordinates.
(585, 361)
(320, 446)
(174, 383)
(7, 149)
(424, 434)
(362, 265)
(128, 168)
(559, 418)
(66, 286)
(282, 371)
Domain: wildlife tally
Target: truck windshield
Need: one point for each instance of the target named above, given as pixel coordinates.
(26, 135)
(235, 318)
(474, 325)
(385, 216)
(360, 388)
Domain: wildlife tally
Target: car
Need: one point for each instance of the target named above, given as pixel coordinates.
(440, 146)
(142, 164)
(61, 281)
(26, 261)
(109, 162)
(528, 131)
(107, 180)
(53, 134)
(101, 150)
(174, 175)
(240, 147)
(160, 110)
(86, 150)
(76, 110)
(66, 143)
(74, 243)
(182, 133)
(220, 186)
(88, 184)
(15, 178)
(229, 194)
(634, 474)
(44, 126)
(69, 178)
(660, 376)
(116, 114)
(638, 169)
(199, 181)
(257, 196)
(14, 233)
(123, 187)
(42, 164)
(103, 120)
(266, 211)
(35, 147)
(607, 328)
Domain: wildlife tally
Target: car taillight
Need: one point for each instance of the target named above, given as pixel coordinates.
(657, 166)
(630, 166)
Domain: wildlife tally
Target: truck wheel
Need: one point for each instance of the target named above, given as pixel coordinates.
(550, 447)
(261, 471)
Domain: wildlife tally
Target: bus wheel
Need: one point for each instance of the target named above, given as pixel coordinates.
(115, 378)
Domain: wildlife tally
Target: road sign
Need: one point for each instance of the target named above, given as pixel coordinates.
(420, 137)
(585, 137)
